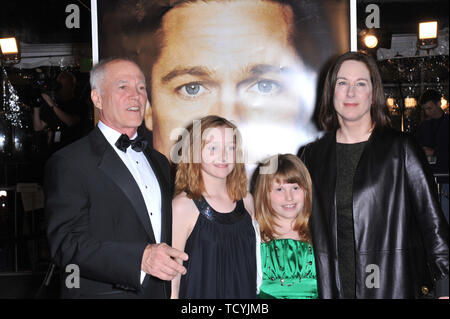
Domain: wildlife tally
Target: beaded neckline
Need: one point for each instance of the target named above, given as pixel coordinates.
(224, 218)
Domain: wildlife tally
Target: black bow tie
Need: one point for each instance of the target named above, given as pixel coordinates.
(138, 144)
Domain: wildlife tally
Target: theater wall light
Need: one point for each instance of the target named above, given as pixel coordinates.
(428, 34)
(9, 49)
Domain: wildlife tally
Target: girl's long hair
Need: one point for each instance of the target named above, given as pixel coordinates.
(188, 177)
(290, 170)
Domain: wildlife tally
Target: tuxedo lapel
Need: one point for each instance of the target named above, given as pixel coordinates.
(113, 167)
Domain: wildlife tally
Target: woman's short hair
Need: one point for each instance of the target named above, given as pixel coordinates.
(328, 118)
(290, 169)
(188, 177)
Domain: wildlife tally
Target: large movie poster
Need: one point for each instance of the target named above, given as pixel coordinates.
(255, 62)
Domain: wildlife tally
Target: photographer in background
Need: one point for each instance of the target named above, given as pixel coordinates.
(432, 134)
(62, 114)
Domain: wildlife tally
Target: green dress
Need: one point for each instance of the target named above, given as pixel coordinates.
(288, 270)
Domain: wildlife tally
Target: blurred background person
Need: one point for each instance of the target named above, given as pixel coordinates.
(61, 113)
(433, 134)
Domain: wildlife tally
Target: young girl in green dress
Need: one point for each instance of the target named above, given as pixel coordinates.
(282, 208)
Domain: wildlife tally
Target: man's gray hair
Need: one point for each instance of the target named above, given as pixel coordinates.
(98, 71)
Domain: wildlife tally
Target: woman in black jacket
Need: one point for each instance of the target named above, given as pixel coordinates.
(378, 230)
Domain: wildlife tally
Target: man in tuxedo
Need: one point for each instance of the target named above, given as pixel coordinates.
(108, 199)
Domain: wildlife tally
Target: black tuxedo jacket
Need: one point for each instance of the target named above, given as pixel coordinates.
(98, 221)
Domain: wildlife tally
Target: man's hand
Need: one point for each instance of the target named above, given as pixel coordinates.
(158, 261)
(48, 100)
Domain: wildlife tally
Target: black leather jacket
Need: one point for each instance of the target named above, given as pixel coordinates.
(398, 223)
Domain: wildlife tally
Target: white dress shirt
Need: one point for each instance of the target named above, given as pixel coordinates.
(143, 174)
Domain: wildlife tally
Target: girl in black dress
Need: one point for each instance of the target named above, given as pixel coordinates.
(213, 214)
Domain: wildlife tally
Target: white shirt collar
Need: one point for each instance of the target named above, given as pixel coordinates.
(111, 134)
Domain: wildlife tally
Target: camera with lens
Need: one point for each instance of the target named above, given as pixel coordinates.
(49, 87)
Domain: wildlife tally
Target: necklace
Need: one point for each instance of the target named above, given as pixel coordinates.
(272, 246)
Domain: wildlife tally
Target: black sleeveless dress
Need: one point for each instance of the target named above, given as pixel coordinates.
(222, 255)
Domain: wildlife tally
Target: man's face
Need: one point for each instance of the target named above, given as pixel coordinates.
(121, 97)
(231, 59)
(431, 110)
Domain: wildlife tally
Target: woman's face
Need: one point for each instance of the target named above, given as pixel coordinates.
(353, 93)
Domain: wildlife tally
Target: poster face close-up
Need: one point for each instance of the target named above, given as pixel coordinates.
(256, 63)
